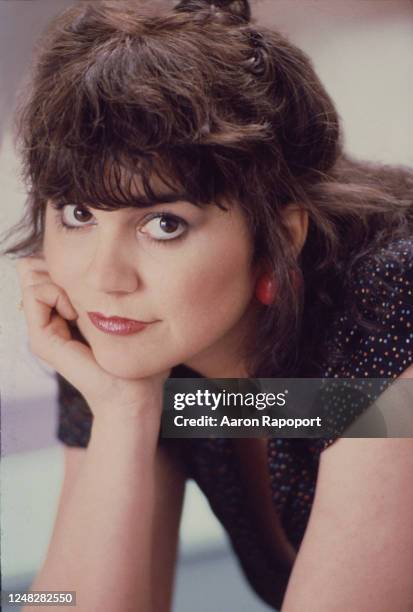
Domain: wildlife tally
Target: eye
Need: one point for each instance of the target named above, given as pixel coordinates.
(164, 227)
(74, 216)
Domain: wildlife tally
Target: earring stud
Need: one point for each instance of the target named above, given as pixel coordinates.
(265, 290)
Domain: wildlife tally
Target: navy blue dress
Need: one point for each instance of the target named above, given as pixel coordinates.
(383, 289)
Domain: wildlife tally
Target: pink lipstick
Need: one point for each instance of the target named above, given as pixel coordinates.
(117, 325)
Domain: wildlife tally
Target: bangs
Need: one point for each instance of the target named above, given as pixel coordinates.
(109, 182)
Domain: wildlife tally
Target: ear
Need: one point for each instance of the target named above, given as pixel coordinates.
(296, 219)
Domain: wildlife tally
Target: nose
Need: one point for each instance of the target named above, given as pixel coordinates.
(112, 267)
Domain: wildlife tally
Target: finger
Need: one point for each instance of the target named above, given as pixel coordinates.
(34, 277)
(33, 261)
(38, 302)
(57, 345)
(75, 361)
(26, 265)
(50, 336)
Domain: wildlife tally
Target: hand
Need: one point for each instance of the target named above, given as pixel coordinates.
(54, 338)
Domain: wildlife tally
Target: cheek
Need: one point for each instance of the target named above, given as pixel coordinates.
(57, 259)
(213, 292)
(52, 251)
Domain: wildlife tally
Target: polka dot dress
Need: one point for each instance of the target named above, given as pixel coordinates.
(383, 290)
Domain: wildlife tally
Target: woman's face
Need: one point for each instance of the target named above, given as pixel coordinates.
(185, 269)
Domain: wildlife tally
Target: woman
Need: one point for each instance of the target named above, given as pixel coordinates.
(185, 170)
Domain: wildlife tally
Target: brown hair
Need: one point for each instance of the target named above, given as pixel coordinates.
(226, 110)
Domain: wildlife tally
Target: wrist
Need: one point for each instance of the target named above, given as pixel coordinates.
(142, 402)
(128, 421)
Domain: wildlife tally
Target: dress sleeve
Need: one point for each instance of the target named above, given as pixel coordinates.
(375, 337)
(75, 418)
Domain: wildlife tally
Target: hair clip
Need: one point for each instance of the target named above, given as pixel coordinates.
(256, 63)
(205, 129)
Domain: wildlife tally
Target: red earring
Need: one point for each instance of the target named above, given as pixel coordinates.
(265, 290)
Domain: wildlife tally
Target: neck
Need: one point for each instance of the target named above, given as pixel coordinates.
(218, 369)
(225, 359)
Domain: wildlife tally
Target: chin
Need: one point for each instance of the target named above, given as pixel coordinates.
(127, 369)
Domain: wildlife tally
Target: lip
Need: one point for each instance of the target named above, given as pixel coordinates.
(117, 325)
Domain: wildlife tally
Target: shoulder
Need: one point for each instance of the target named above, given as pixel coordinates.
(363, 485)
(371, 337)
(380, 283)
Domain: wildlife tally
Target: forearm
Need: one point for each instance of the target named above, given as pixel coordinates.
(101, 545)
